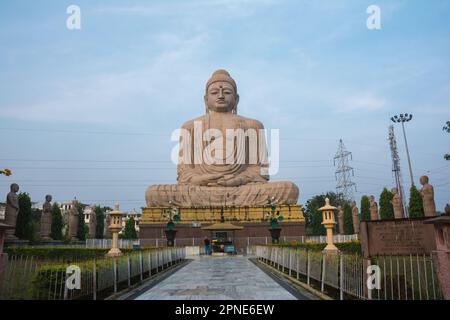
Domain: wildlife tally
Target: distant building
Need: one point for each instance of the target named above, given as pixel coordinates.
(132, 214)
(89, 213)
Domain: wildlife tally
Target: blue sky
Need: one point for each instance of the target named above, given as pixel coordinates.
(88, 113)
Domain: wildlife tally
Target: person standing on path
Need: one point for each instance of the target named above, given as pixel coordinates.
(207, 246)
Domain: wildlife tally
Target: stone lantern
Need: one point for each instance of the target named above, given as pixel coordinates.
(329, 222)
(115, 227)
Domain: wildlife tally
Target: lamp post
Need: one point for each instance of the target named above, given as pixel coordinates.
(329, 222)
(402, 118)
(115, 227)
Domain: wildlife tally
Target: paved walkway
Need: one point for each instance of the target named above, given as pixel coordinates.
(218, 278)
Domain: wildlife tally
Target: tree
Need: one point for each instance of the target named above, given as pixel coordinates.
(99, 222)
(415, 207)
(348, 220)
(447, 128)
(24, 223)
(130, 230)
(81, 231)
(386, 208)
(57, 223)
(365, 208)
(313, 217)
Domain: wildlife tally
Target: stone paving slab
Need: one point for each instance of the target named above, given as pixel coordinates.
(218, 278)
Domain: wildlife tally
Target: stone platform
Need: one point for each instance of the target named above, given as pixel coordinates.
(252, 220)
(189, 215)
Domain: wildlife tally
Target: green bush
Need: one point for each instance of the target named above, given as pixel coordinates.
(57, 223)
(52, 276)
(348, 220)
(415, 203)
(24, 227)
(60, 254)
(365, 208)
(46, 279)
(347, 247)
(386, 208)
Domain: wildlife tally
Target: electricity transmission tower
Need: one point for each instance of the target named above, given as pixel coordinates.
(396, 169)
(344, 173)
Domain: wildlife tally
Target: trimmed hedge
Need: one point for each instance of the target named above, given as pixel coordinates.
(59, 253)
(347, 247)
(49, 280)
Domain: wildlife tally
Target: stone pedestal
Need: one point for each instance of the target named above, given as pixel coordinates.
(73, 224)
(170, 235)
(275, 234)
(46, 222)
(92, 227)
(3, 256)
(441, 256)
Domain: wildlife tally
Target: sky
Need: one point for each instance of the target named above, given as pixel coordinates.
(88, 113)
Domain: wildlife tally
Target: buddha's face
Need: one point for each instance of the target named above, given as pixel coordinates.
(221, 97)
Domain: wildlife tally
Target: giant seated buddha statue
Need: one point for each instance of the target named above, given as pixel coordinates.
(222, 158)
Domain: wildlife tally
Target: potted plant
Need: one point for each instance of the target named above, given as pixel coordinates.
(274, 217)
(172, 217)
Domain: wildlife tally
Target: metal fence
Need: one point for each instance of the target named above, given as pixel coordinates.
(28, 278)
(400, 277)
(241, 242)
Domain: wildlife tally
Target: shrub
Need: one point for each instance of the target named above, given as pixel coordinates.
(347, 247)
(24, 227)
(348, 220)
(365, 208)
(59, 254)
(415, 203)
(386, 208)
(57, 224)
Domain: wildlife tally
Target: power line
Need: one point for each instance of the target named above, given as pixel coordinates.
(131, 161)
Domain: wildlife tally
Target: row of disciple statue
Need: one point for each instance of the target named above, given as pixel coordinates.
(12, 210)
(429, 207)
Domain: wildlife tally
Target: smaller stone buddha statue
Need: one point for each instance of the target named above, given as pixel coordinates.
(397, 204)
(374, 215)
(427, 193)
(46, 218)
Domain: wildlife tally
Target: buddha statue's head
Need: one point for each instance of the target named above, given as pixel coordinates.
(423, 180)
(221, 93)
(14, 187)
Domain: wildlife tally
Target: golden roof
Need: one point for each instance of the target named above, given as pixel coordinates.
(222, 226)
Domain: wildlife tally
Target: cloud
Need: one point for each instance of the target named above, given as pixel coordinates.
(366, 101)
(103, 98)
(206, 8)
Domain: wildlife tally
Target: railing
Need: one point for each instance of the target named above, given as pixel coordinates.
(239, 241)
(28, 278)
(345, 275)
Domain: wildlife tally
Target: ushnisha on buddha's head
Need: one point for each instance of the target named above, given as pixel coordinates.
(221, 93)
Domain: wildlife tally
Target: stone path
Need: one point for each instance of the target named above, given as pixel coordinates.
(218, 278)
